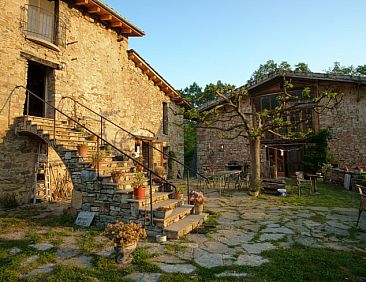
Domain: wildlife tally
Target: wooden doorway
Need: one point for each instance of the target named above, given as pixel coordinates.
(39, 82)
(277, 160)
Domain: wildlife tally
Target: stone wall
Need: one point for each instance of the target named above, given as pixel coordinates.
(92, 67)
(347, 124)
(215, 148)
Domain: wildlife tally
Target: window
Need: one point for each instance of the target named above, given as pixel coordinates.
(40, 21)
(165, 118)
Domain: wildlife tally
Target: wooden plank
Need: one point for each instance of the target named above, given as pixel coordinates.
(106, 17)
(94, 10)
(81, 2)
(116, 24)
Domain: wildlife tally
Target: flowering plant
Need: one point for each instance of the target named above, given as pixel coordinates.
(196, 197)
(124, 234)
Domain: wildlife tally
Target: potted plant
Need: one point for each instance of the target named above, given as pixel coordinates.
(140, 160)
(162, 212)
(125, 237)
(178, 194)
(97, 157)
(138, 186)
(117, 176)
(197, 199)
(93, 137)
(83, 150)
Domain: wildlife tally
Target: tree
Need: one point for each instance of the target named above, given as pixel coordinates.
(302, 67)
(350, 70)
(271, 67)
(197, 97)
(255, 124)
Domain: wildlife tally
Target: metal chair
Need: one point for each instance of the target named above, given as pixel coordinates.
(302, 182)
(362, 190)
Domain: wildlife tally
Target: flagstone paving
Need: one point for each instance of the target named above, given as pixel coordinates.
(246, 227)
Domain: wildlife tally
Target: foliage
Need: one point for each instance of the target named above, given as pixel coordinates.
(350, 70)
(300, 263)
(98, 156)
(196, 197)
(124, 234)
(180, 190)
(138, 180)
(139, 255)
(271, 66)
(197, 97)
(316, 152)
(328, 195)
(8, 201)
(190, 137)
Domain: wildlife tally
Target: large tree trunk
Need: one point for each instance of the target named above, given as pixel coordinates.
(255, 164)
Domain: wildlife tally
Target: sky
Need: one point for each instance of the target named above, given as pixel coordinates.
(205, 41)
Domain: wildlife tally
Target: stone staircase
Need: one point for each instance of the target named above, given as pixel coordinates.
(94, 191)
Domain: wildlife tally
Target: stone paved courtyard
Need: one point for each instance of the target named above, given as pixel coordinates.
(246, 227)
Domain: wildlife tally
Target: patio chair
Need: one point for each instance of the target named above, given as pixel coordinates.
(302, 183)
(362, 190)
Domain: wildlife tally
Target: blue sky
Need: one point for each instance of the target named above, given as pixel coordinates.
(208, 40)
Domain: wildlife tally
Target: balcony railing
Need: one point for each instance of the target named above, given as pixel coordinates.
(42, 24)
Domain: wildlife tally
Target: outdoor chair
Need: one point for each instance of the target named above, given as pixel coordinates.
(362, 191)
(302, 183)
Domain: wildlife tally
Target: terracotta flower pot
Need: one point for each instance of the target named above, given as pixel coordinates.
(83, 150)
(139, 193)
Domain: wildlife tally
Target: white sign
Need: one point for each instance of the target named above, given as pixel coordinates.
(84, 218)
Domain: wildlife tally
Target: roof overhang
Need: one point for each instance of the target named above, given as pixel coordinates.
(356, 79)
(157, 79)
(110, 17)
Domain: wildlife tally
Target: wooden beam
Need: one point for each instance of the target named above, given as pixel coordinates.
(127, 30)
(81, 2)
(105, 17)
(94, 10)
(116, 24)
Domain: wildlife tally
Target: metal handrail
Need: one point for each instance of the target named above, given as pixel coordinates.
(136, 137)
(151, 172)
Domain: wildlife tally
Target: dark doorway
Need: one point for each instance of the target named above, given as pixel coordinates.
(36, 84)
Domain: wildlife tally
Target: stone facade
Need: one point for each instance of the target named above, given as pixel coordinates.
(93, 66)
(346, 123)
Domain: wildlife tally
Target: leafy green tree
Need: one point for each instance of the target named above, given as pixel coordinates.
(197, 97)
(255, 124)
(192, 93)
(350, 70)
(302, 67)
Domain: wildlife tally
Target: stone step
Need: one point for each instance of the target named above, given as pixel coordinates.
(158, 196)
(41, 119)
(185, 225)
(168, 204)
(177, 214)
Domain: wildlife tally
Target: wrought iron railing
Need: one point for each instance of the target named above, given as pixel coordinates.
(101, 135)
(43, 24)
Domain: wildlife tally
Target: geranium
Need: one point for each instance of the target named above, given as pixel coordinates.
(196, 197)
(124, 234)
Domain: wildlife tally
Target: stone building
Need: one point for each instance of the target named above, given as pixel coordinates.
(78, 49)
(346, 123)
